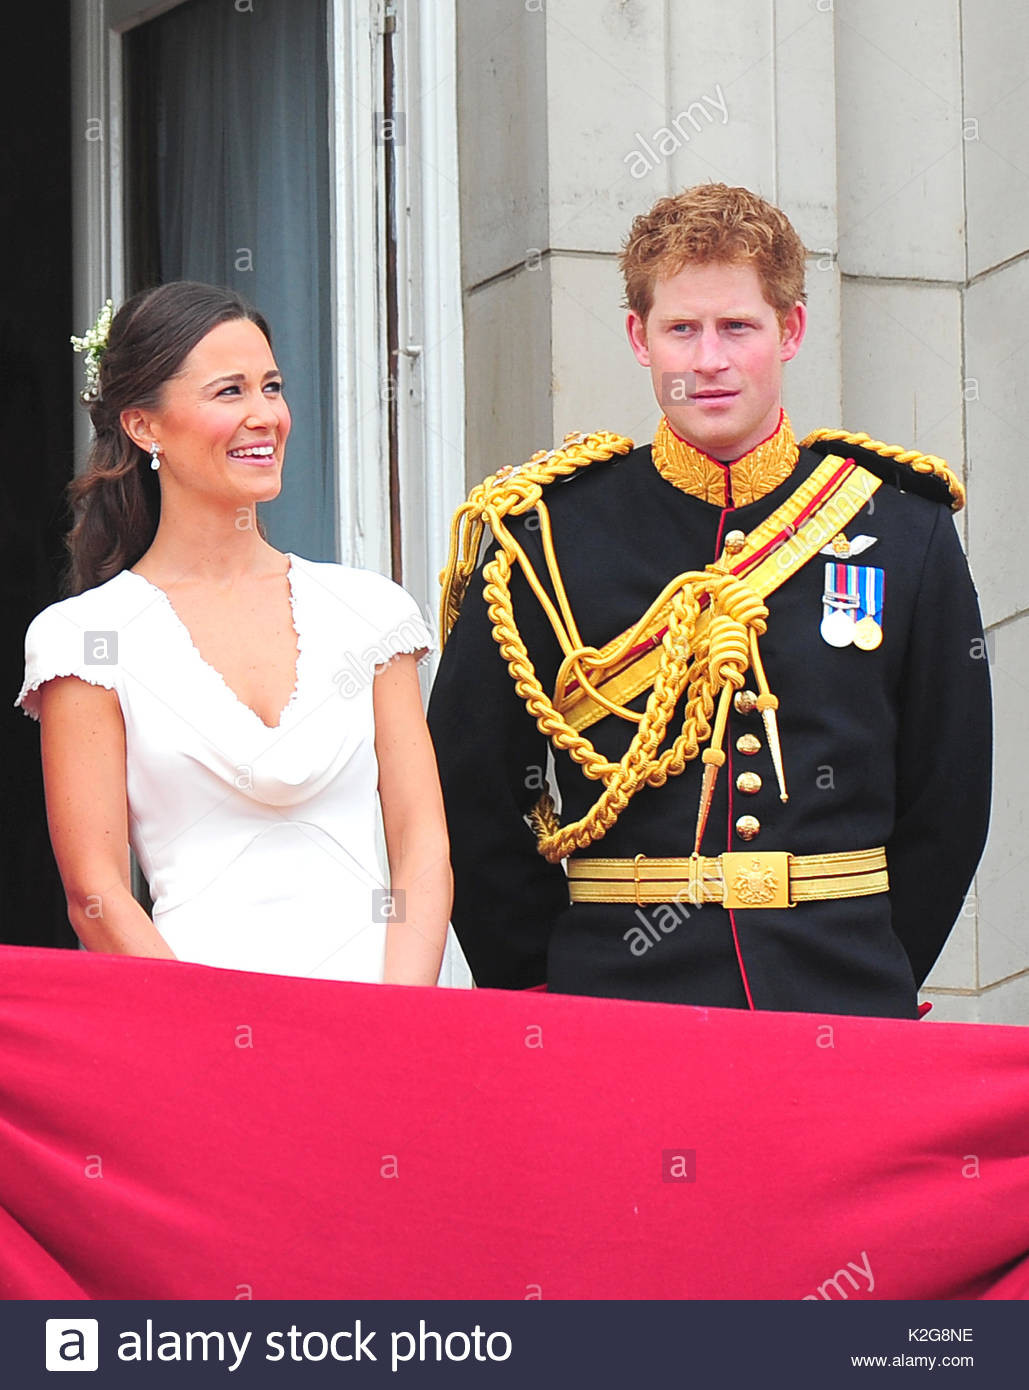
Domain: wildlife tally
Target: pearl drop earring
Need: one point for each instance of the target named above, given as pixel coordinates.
(155, 454)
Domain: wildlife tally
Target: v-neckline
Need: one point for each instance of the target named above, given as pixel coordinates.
(184, 630)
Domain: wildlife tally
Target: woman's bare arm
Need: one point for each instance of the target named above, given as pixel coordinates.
(415, 825)
(82, 738)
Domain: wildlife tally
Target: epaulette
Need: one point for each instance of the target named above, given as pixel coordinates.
(512, 491)
(905, 469)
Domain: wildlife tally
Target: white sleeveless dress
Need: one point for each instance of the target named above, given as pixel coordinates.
(259, 844)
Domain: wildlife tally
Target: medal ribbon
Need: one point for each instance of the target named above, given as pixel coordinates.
(872, 582)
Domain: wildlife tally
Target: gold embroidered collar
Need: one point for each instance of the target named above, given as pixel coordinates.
(733, 484)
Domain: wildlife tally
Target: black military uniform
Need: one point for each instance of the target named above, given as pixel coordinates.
(884, 745)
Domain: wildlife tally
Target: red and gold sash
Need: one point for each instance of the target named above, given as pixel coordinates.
(774, 551)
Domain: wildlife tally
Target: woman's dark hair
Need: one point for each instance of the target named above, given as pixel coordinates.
(116, 501)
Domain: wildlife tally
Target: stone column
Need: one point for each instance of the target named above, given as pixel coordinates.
(933, 231)
(575, 116)
(995, 41)
(892, 136)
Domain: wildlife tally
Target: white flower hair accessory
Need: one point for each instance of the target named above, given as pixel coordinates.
(92, 343)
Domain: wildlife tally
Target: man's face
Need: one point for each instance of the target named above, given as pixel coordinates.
(715, 350)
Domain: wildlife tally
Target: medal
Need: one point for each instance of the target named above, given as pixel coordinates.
(852, 606)
(839, 600)
(868, 630)
(837, 628)
(867, 634)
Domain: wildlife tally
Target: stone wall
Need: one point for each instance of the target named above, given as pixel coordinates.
(891, 133)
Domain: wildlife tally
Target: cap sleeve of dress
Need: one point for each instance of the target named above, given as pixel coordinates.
(402, 627)
(60, 642)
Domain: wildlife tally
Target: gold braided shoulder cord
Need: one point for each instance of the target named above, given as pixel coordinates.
(511, 492)
(921, 463)
(701, 663)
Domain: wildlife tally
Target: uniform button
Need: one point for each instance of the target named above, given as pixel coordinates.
(747, 827)
(734, 542)
(749, 744)
(748, 782)
(745, 701)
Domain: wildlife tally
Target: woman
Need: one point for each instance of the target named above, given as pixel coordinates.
(227, 709)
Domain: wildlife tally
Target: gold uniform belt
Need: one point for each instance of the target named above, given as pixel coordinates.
(740, 879)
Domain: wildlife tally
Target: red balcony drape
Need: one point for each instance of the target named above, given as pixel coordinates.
(173, 1131)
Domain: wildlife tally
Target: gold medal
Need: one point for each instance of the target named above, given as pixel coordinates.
(867, 634)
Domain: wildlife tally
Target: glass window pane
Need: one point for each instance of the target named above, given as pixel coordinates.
(228, 182)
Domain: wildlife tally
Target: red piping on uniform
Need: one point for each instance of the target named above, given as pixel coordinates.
(732, 915)
(718, 538)
(739, 958)
(728, 767)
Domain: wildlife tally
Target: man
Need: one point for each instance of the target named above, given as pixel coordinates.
(760, 668)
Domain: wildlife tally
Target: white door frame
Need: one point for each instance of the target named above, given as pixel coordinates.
(358, 274)
(430, 385)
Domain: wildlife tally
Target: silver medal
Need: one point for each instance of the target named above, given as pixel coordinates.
(837, 628)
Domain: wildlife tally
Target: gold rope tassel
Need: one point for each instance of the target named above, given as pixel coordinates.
(699, 665)
(713, 758)
(732, 639)
(767, 704)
